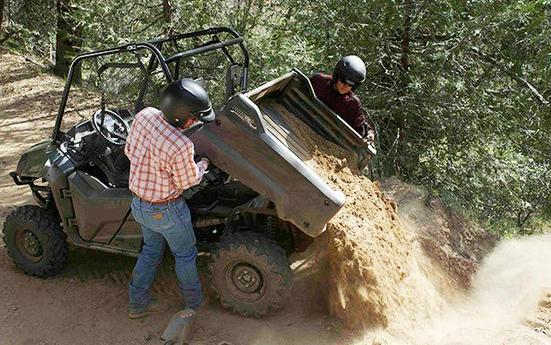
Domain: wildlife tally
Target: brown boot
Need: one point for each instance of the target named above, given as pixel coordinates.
(154, 306)
(203, 306)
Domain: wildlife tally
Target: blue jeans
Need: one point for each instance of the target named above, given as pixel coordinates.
(170, 222)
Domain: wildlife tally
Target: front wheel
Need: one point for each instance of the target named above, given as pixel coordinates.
(250, 274)
(35, 241)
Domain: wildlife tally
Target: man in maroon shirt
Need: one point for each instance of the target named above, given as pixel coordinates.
(336, 91)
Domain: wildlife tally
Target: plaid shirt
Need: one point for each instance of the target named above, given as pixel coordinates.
(161, 158)
(347, 106)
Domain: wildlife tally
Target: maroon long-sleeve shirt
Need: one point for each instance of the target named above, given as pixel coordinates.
(347, 106)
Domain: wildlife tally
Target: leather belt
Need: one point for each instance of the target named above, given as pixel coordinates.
(161, 202)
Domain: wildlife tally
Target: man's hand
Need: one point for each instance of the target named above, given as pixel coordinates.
(206, 160)
(370, 137)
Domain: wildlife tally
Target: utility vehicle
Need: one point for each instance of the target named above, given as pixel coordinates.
(259, 202)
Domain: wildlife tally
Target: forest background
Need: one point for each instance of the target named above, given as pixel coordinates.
(458, 90)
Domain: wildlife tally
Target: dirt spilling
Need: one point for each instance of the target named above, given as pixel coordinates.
(378, 273)
(428, 276)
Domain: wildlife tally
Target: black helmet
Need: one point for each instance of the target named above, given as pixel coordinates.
(350, 70)
(183, 99)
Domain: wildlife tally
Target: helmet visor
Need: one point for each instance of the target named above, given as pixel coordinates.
(349, 82)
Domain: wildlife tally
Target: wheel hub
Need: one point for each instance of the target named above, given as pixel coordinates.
(246, 278)
(29, 245)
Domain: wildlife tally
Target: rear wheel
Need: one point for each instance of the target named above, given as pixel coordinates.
(250, 274)
(35, 241)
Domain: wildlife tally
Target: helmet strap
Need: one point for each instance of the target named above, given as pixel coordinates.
(189, 122)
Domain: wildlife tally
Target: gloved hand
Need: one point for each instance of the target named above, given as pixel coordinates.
(367, 133)
(370, 137)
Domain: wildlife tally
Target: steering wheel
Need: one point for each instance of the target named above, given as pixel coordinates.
(110, 126)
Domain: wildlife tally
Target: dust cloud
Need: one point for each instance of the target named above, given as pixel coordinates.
(500, 307)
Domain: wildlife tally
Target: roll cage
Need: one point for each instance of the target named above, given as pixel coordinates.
(157, 47)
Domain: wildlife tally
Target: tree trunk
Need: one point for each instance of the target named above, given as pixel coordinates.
(167, 15)
(404, 63)
(522, 217)
(167, 10)
(402, 118)
(2, 4)
(68, 40)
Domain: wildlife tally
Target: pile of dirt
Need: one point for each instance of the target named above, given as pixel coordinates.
(379, 273)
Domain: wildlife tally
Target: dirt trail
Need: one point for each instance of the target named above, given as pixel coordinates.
(87, 305)
(29, 101)
(27, 110)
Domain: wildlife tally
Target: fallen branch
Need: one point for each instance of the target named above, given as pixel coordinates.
(43, 66)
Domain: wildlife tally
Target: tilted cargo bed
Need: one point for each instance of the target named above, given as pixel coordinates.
(251, 141)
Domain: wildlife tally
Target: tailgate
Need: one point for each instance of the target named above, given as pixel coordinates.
(251, 141)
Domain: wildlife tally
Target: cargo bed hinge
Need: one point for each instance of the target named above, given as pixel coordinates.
(66, 193)
(72, 222)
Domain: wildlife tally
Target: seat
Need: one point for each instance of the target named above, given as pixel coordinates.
(116, 168)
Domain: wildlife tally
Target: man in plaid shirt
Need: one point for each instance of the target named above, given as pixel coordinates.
(162, 166)
(336, 91)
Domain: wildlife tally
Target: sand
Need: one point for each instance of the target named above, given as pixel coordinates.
(375, 264)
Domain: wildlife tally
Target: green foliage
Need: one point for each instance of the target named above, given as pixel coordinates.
(30, 25)
(459, 91)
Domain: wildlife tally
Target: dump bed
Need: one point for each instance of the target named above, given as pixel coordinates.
(251, 141)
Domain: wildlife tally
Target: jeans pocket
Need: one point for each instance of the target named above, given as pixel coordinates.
(158, 218)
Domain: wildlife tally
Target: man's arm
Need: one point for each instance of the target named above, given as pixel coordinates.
(314, 77)
(361, 125)
(185, 172)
